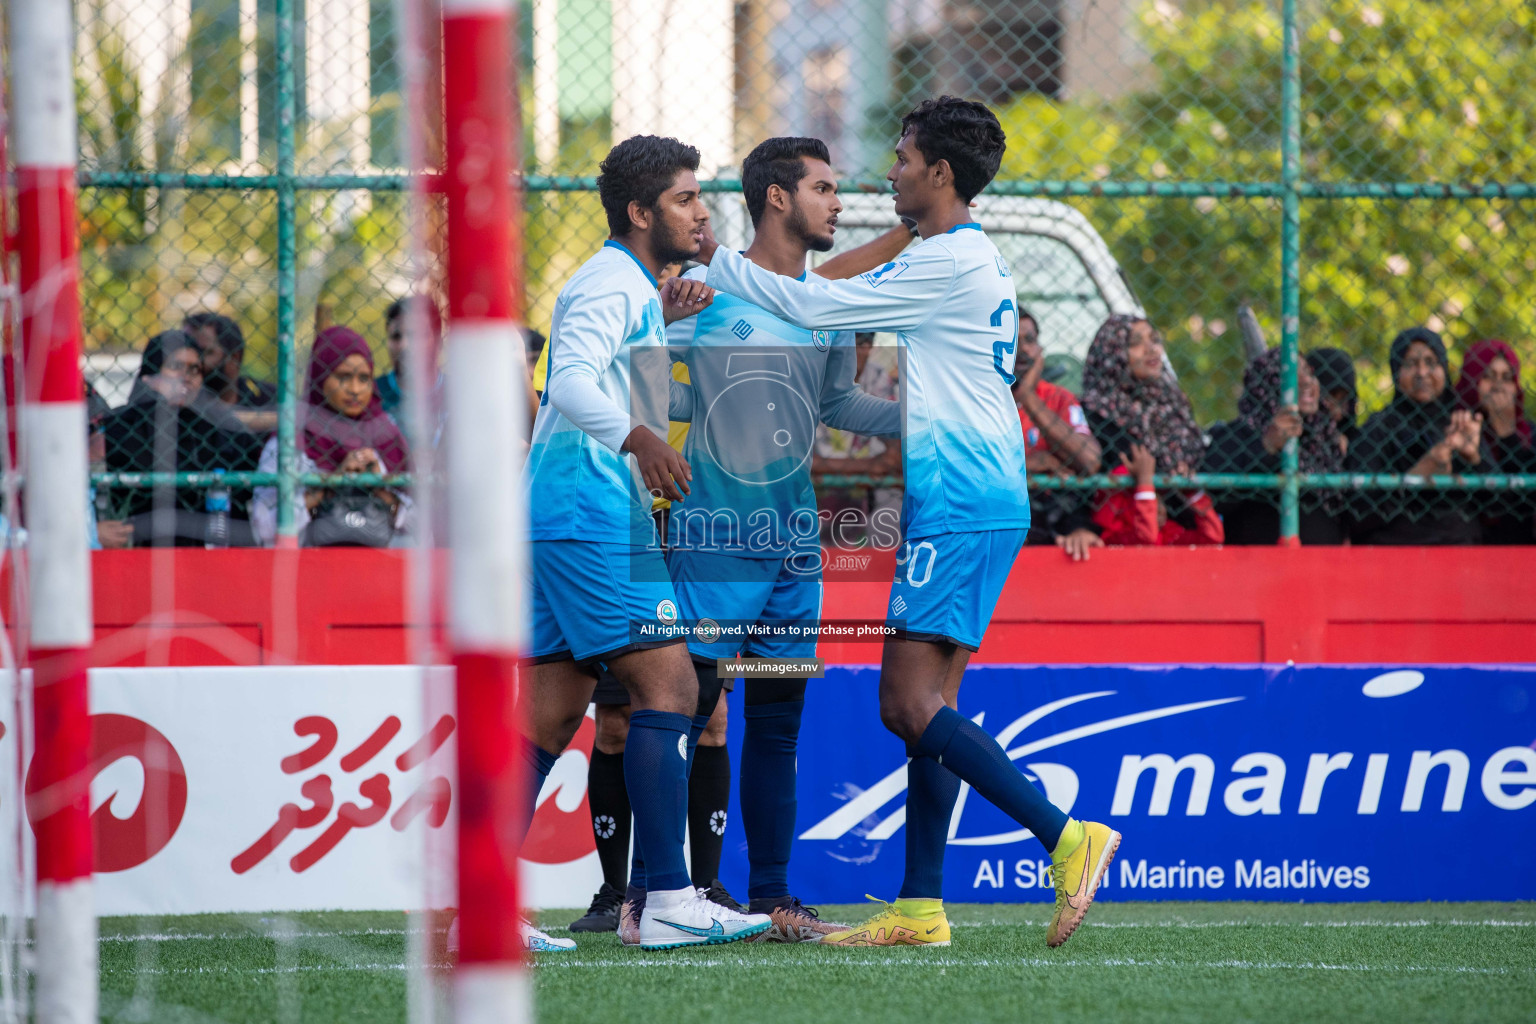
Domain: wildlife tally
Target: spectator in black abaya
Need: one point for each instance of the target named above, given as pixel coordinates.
(1422, 433)
(1252, 443)
(1340, 398)
(161, 430)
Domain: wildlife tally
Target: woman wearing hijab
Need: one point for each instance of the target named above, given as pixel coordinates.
(1131, 398)
(1335, 370)
(345, 430)
(1132, 401)
(1421, 433)
(1490, 385)
(1252, 443)
(161, 430)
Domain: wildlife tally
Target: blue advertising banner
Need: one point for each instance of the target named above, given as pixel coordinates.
(1260, 782)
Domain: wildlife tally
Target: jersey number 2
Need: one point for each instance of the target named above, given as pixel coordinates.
(1005, 346)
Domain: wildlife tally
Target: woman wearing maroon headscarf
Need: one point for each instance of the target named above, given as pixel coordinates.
(1490, 384)
(344, 430)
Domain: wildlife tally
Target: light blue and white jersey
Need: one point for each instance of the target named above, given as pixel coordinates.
(758, 387)
(608, 373)
(950, 299)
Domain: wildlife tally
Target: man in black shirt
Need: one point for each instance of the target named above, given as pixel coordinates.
(223, 347)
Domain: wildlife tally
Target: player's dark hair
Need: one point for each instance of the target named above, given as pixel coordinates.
(400, 306)
(639, 170)
(777, 162)
(230, 338)
(962, 132)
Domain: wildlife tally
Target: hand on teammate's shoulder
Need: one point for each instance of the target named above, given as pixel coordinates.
(684, 297)
(708, 246)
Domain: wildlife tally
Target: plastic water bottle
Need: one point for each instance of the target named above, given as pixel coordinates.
(216, 504)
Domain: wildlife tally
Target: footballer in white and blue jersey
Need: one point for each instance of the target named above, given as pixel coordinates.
(745, 545)
(597, 586)
(951, 301)
(600, 590)
(744, 548)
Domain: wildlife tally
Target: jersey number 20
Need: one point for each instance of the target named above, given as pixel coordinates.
(1004, 346)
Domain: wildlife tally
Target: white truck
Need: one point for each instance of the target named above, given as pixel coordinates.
(1065, 275)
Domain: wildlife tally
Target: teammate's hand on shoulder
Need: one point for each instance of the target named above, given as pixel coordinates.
(664, 470)
(708, 246)
(684, 297)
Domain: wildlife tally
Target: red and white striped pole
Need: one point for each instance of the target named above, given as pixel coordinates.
(486, 516)
(53, 429)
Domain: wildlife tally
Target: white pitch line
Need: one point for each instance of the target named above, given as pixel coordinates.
(286, 936)
(1259, 924)
(674, 960)
(358, 932)
(295, 969)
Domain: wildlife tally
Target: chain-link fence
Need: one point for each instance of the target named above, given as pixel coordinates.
(1307, 175)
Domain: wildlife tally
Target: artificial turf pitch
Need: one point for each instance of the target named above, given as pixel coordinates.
(1182, 962)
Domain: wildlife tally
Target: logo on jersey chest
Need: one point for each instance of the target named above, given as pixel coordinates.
(742, 329)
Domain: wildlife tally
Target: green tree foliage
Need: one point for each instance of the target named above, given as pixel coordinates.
(1392, 91)
(150, 256)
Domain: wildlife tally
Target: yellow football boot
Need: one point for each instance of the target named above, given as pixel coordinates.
(1078, 864)
(903, 923)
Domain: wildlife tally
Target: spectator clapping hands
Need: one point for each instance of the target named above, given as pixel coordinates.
(1464, 434)
(362, 460)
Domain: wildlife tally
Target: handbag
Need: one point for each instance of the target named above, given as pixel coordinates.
(350, 520)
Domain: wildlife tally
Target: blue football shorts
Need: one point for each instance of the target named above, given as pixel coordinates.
(735, 594)
(947, 585)
(594, 601)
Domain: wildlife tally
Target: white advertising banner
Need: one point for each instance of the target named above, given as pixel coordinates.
(296, 788)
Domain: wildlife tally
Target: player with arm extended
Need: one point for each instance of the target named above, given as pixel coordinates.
(952, 302)
(743, 549)
(600, 592)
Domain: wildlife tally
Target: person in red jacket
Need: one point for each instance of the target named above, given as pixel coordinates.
(1139, 516)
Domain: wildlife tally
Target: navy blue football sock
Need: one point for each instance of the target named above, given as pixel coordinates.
(960, 745)
(768, 794)
(932, 791)
(536, 765)
(696, 727)
(656, 775)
